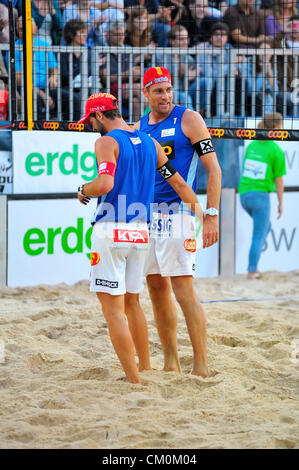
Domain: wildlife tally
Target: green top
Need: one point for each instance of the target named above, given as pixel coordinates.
(264, 161)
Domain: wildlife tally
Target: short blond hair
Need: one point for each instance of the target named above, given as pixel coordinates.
(271, 121)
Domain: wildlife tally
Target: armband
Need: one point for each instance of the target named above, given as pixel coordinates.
(107, 168)
(167, 170)
(203, 147)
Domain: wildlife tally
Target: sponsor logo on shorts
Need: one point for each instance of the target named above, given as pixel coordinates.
(105, 283)
(193, 267)
(190, 245)
(206, 146)
(167, 132)
(249, 133)
(278, 134)
(130, 236)
(94, 258)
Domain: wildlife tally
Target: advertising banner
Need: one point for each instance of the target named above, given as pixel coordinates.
(281, 250)
(52, 162)
(5, 162)
(49, 242)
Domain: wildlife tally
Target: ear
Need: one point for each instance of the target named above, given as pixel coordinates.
(99, 115)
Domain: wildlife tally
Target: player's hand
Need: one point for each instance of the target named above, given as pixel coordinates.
(83, 199)
(210, 233)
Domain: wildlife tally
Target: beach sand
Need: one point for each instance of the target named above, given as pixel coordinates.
(62, 387)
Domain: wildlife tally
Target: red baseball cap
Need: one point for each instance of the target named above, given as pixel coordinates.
(98, 102)
(156, 75)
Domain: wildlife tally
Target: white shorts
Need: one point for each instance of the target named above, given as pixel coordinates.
(118, 256)
(172, 245)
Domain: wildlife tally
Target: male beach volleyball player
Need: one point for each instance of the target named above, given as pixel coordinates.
(185, 137)
(127, 160)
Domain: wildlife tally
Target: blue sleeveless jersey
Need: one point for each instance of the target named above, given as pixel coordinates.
(177, 148)
(134, 180)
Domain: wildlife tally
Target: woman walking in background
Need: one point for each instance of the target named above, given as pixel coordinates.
(263, 170)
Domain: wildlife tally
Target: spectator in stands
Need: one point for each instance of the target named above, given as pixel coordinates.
(246, 24)
(4, 26)
(93, 18)
(3, 100)
(43, 76)
(210, 69)
(286, 40)
(198, 20)
(48, 19)
(266, 84)
(277, 21)
(75, 34)
(115, 36)
(138, 31)
(177, 7)
(176, 64)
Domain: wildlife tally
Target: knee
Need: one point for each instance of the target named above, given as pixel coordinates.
(131, 301)
(158, 287)
(184, 294)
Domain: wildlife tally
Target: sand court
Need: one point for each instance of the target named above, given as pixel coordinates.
(61, 385)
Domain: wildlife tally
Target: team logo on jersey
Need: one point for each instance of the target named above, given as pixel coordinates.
(190, 245)
(135, 140)
(168, 147)
(130, 236)
(167, 132)
(206, 146)
(94, 258)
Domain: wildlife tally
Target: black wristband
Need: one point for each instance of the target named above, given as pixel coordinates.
(203, 147)
(167, 170)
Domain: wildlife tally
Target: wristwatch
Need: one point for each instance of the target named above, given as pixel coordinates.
(211, 211)
(80, 190)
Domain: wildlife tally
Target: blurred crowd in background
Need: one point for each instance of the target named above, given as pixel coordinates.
(180, 24)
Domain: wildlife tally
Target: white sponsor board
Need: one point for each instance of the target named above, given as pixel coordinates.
(281, 250)
(207, 259)
(291, 150)
(49, 243)
(52, 162)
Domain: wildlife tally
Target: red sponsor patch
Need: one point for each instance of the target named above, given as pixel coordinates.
(190, 245)
(130, 236)
(94, 258)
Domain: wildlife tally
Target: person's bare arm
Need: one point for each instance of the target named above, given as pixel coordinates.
(279, 189)
(180, 186)
(238, 37)
(196, 130)
(106, 149)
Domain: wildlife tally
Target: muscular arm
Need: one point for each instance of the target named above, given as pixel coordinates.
(196, 130)
(106, 149)
(180, 186)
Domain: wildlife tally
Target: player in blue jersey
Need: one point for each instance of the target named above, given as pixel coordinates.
(184, 137)
(127, 160)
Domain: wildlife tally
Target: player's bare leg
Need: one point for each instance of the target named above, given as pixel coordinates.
(166, 319)
(138, 328)
(195, 319)
(113, 309)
